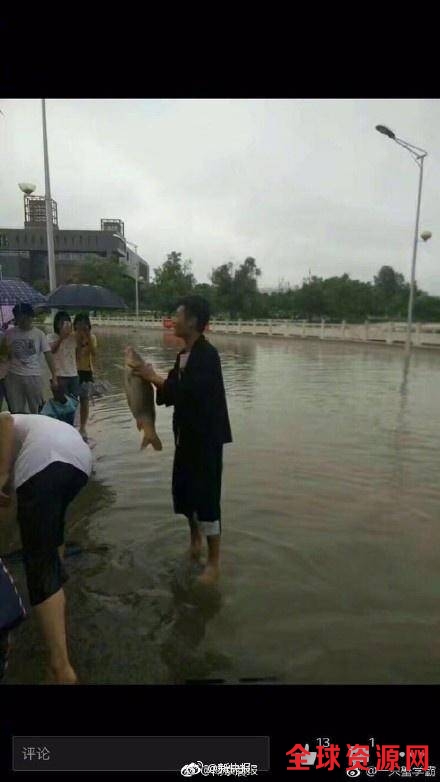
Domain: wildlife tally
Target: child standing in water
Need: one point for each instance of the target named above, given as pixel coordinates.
(86, 347)
(63, 346)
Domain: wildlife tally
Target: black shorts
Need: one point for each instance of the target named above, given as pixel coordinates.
(197, 481)
(85, 377)
(42, 502)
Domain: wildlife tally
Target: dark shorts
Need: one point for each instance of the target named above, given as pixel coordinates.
(197, 482)
(41, 508)
(70, 385)
(84, 379)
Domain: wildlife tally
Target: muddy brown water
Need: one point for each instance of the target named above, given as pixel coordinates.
(331, 534)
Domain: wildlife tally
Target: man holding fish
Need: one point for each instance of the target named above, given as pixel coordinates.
(201, 427)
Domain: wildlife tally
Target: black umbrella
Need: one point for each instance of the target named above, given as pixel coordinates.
(85, 297)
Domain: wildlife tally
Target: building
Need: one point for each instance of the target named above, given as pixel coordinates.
(23, 251)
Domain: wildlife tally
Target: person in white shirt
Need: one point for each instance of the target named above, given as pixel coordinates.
(47, 463)
(26, 345)
(63, 343)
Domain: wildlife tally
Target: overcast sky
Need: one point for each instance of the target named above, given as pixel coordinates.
(298, 184)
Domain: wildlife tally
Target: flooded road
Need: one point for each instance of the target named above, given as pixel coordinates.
(331, 527)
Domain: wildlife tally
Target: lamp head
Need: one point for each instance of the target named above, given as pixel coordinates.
(386, 131)
(26, 187)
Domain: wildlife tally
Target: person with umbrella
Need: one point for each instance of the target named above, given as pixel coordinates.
(26, 345)
(63, 345)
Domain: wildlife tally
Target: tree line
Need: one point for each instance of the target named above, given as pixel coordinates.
(233, 292)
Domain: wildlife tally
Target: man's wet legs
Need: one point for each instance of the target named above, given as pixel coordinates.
(198, 530)
(196, 543)
(211, 572)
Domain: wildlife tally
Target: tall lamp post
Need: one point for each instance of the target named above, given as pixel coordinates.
(49, 220)
(419, 156)
(138, 278)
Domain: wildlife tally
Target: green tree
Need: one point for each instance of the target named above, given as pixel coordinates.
(346, 299)
(389, 281)
(172, 280)
(42, 286)
(204, 290)
(245, 290)
(391, 293)
(109, 273)
(236, 293)
(222, 284)
(309, 299)
(233, 292)
(427, 308)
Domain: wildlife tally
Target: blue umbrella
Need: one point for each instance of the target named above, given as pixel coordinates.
(14, 292)
(85, 297)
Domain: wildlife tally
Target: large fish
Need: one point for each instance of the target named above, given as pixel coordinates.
(140, 398)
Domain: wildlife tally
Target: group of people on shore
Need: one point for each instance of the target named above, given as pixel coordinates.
(69, 351)
(47, 462)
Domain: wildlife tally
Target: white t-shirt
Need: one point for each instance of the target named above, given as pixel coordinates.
(40, 441)
(26, 348)
(65, 356)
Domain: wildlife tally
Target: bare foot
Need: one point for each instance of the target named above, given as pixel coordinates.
(210, 575)
(64, 675)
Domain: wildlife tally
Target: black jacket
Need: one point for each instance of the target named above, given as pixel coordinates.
(199, 399)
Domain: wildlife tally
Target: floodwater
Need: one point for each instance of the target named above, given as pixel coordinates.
(331, 534)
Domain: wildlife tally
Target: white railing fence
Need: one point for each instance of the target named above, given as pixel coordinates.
(423, 334)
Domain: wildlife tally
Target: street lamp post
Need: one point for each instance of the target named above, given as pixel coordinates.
(138, 278)
(137, 290)
(49, 221)
(419, 157)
